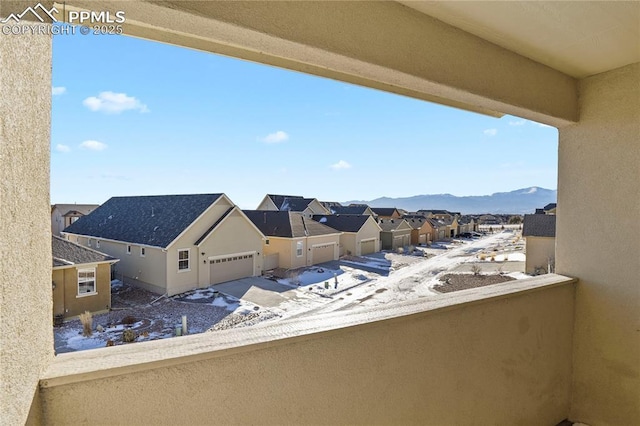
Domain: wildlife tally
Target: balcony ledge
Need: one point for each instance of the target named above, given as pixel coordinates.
(100, 363)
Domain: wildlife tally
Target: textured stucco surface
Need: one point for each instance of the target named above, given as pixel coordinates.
(539, 251)
(383, 45)
(599, 186)
(500, 361)
(26, 339)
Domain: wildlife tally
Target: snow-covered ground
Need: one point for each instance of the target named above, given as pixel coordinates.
(371, 280)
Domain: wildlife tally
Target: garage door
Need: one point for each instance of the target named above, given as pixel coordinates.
(397, 242)
(367, 247)
(322, 253)
(422, 239)
(230, 268)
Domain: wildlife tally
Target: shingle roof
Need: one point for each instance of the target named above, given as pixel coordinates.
(344, 223)
(549, 206)
(286, 224)
(390, 224)
(539, 225)
(278, 200)
(80, 208)
(415, 222)
(356, 210)
(295, 204)
(67, 253)
(151, 220)
(436, 223)
(384, 211)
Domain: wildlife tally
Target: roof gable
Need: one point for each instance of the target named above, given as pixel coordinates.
(150, 220)
(222, 218)
(393, 224)
(83, 209)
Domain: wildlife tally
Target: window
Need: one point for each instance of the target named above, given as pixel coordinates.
(97, 244)
(128, 249)
(89, 242)
(183, 260)
(86, 281)
(299, 248)
(142, 251)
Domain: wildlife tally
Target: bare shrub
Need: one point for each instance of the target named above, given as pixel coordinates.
(87, 323)
(482, 256)
(506, 257)
(493, 258)
(400, 250)
(128, 335)
(477, 270)
(128, 320)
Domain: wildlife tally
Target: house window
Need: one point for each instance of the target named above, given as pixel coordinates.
(299, 248)
(86, 281)
(128, 249)
(183, 260)
(89, 242)
(97, 244)
(143, 251)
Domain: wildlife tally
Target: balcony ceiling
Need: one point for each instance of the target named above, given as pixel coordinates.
(577, 38)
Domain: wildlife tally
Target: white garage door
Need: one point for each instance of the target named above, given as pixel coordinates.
(422, 239)
(322, 253)
(367, 247)
(230, 268)
(397, 242)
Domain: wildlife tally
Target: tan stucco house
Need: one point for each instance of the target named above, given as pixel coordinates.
(173, 243)
(386, 212)
(295, 239)
(294, 203)
(539, 232)
(81, 279)
(360, 233)
(395, 233)
(421, 229)
(63, 215)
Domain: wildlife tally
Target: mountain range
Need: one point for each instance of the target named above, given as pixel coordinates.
(520, 201)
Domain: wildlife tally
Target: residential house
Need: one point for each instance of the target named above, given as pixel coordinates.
(173, 243)
(439, 229)
(295, 239)
(81, 279)
(360, 233)
(386, 212)
(422, 229)
(466, 224)
(63, 215)
(294, 203)
(550, 208)
(395, 233)
(539, 232)
(438, 214)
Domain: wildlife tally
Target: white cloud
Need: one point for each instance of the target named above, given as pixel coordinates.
(340, 165)
(276, 137)
(58, 90)
(491, 132)
(518, 123)
(63, 148)
(93, 145)
(114, 103)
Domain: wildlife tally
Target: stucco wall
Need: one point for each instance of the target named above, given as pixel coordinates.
(539, 250)
(149, 272)
(599, 182)
(26, 340)
(322, 239)
(235, 235)
(65, 295)
(505, 361)
(286, 247)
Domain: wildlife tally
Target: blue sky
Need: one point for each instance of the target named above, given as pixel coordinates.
(134, 117)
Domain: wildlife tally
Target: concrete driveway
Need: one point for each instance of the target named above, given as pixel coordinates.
(258, 290)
